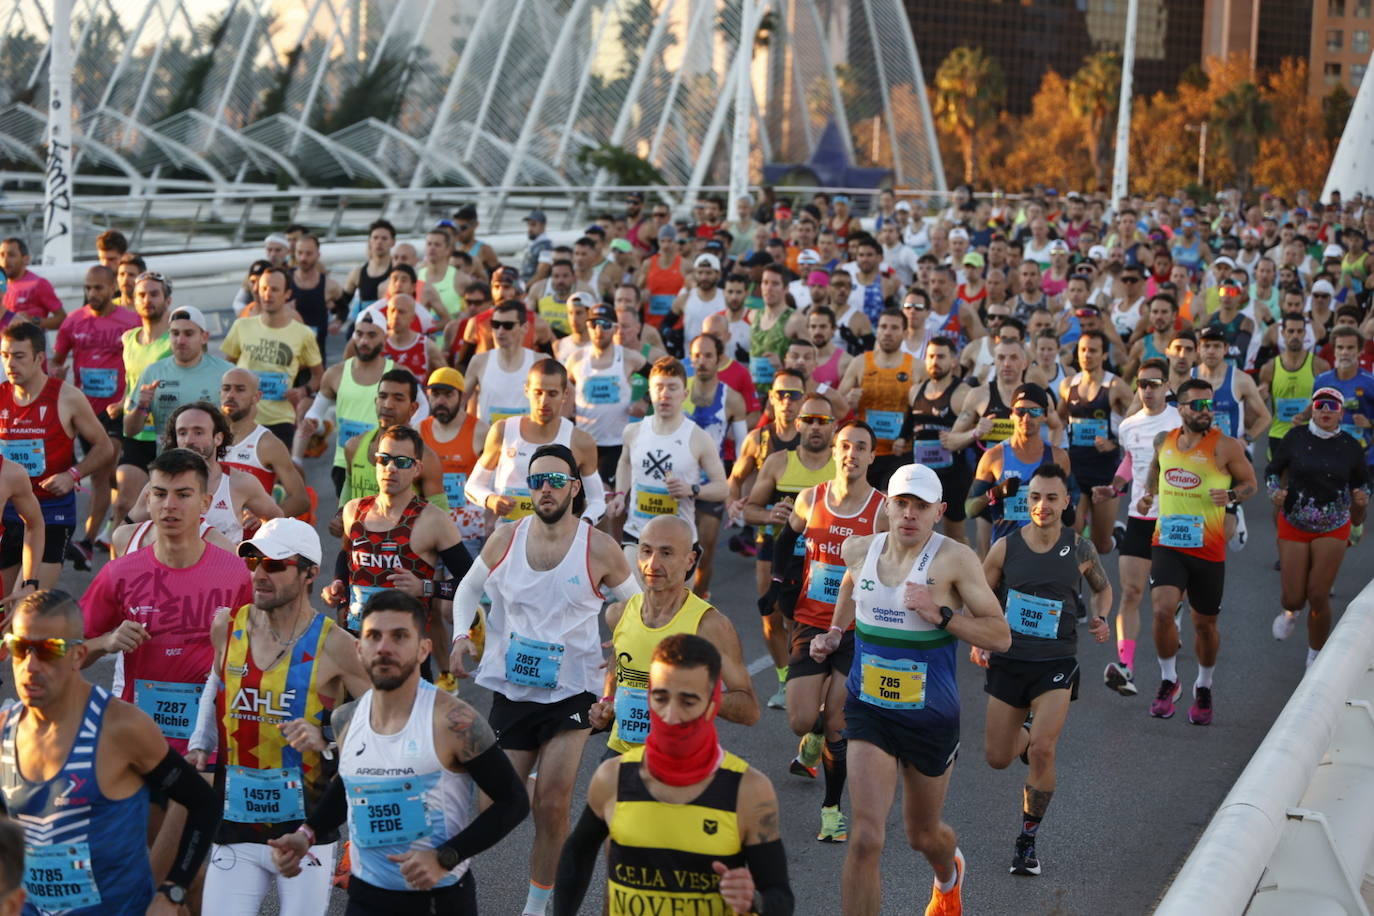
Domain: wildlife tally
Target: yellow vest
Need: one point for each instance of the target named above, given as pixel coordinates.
(634, 646)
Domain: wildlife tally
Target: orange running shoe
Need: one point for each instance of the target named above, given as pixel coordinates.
(342, 871)
(948, 903)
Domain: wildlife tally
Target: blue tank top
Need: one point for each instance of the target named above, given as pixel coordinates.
(1072, 331)
(1015, 509)
(78, 853)
(1225, 407)
(711, 417)
(1151, 351)
(1190, 256)
(904, 668)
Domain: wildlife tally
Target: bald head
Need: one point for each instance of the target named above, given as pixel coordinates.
(666, 553)
(238, 394)
(404, 253)
(717, 325)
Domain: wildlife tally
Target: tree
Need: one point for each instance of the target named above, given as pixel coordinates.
(1335, 111)
(1242, 117)
(1093, 96)
(969, 89)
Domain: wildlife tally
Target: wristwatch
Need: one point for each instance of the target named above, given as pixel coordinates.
(946, 615)
(448, 857)
(27, 582)
(696, 488)
(173, 892)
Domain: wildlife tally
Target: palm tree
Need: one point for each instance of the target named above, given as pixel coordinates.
(969, 89)
(1093, 97)
(1242, 117)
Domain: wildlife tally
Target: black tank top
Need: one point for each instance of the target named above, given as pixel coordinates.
(370, 287)
(310, 303)
(1089, 419)
(1040, 593)
(1000, 413)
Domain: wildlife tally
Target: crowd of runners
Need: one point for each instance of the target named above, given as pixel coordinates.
(923, 428)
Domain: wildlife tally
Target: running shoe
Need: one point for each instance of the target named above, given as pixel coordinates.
(344, 870)
(808, 755)
(82, 555)
(949, 903)
(1118, 535)
(1025, 861)
(1284, 624)
(779, 699)
(1356, 534)
(1242, 534)
(1120, 678)
(834, 828)
(1163, 705)
(1201, 711)
(447, 683)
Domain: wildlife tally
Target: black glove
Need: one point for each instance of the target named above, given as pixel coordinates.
(1008, 487)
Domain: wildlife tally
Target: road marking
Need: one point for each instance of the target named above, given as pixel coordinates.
(759, 664)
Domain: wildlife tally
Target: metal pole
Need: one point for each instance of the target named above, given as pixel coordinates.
(57, 184)
(744, 105)
(1120, 179)
(1202, 154)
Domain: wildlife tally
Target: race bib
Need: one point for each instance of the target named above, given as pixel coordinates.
(350, 428)
(894, 683)
(887, 424)
(454, 482)
(660, 305)
(761, 370)
(1016, 508)
(1180, 531)
(932, 454)
(823, 582)
(503, 413)
(173, 706)
(632, 714)
(531, 663)
(1084, 431)
(357, 597)
(1001, 430)
(60, 877)
(1032, 616)
(524, 503)
(1225, 421)
(800, 549)
(602, 389)
(651, 502)
(29, 454)
(98, 383)
(1288, 408)
(273, 385)
(263, 796)
(389, 812)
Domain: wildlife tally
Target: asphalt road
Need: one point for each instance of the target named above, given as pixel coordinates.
(1133, 795)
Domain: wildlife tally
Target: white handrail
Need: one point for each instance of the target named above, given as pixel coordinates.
(1225, 867)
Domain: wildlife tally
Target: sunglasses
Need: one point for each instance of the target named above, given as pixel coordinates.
(462, 227)
(1229, 292)
(1086, 313)
(1321, 295)
(915, 306)
(47, 650)
(602, 324)
(554, 479)
(1200, 404)
(1149, 382)
(661, 214)
(404, 462)
(1327, 405)
(1028, 411)
(789, 394)
(815, 419)
(1130, 279)
(503, 325)
(476, 302)
(268, 564)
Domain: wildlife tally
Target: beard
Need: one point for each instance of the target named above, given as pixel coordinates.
(391, 682)
(365, 355)
(1198, 424)
(443, 413)
(552, 516)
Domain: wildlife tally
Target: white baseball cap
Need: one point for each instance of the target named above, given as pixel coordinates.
(1224, 260)
(958, 232)
(809, 256)
(903, 205)
(1098, 253)
(587, 300)
(1333, 251)
(1324, 286)
(1060, 246)
(707, 260)
(192, 314)
(916, 480)
(277, 238)
(280, 538)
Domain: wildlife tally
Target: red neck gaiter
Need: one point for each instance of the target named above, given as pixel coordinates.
(685, 753)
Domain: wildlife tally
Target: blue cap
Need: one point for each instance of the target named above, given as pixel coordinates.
(1189, 211)
(536, 216)
(445, 224)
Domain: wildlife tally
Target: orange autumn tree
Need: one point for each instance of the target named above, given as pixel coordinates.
(1296, 155)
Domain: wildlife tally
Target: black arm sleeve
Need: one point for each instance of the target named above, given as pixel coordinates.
(341, 567)
(180, 782)
(768, 866)
(908, 427)
(784, 542)
(456, 560)
(578, 861)
(332, 809)
(494, 775)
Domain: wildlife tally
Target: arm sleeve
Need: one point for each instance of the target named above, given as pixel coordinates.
(595, 489)
(469, 595)
(341, 567)
(456, 560)
(578, 861)
(206, 734)
(510, 803)
(180, 782)
(332, 810)
(1125, 470)
(768, 867)
(479, 485)
(784, 543)
(322, 409)
(739, 431)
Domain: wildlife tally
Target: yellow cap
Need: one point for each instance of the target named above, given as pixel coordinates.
(446, 376)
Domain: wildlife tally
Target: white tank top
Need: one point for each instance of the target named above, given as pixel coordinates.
(244, 456)
(502, 394)
(654, 457)
(222, 514)
(696, 310)
(543, 632)
(602, 396)
(739, 333)
(400, 797)
(514, 464)
(143, 536)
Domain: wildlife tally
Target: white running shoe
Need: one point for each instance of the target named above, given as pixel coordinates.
(1284, 624)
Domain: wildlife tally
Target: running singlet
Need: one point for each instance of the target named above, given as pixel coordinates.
(999, 411)
(634, 646)
(931, 416)
(644, 875)
(76, 851)
(795, 478)
(97, 352)
(883, 399)
(826, 532)
(501, 393)
(601, 397)
(356, 407)
(223, 514)
(1137, 433)
(374, 555)
(457, 458)
(1090, 420)
(543, 632)
(31, 435)
(513, 467)
(655, 457)
(1188, 520)
(712, 417)
(400, 797)
(1040, 595)
(414, 357)
(1292, 394)
(555, 314)
(764, 341)
(1226, 407)
(243, 456)
(164, 676)
(662, 285)
(904, 668)
(137, 357)
(269, 787)
(1015, 509)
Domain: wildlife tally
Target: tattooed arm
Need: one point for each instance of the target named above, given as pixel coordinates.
(1090, 565)
(761, 885)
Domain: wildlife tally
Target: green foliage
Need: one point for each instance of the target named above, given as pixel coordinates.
(623, 166)
(376, 93)
(1242, 117)
(210, 35)
(1335, 112)
(274, 100)
(1094, 94)
(969, 90)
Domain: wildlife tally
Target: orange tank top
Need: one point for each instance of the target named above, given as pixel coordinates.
(826, 532)
(883, 403)
(457, 457)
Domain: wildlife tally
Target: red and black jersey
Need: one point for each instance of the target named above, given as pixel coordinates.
(374, 555)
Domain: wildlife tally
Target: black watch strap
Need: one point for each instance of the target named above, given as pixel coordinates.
(946, 615)
(448, 857)
(173, 892)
